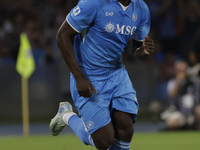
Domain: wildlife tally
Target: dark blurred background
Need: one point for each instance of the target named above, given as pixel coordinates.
(175, 29)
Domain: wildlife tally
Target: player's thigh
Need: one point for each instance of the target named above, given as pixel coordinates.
(123, 125)
(95, 114)
(124, 97)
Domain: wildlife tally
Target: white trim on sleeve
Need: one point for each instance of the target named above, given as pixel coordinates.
(72, 26)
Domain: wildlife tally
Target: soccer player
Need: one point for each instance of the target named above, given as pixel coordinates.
(92, 40)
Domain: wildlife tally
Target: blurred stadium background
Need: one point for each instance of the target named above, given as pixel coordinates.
(175, 29)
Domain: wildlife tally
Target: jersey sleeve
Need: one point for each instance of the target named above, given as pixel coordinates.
(81, 16)
(144, 27)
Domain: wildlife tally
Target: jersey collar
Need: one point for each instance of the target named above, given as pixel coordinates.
(117, 1)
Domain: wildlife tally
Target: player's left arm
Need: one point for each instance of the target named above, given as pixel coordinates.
(144, 49)
(143, 45)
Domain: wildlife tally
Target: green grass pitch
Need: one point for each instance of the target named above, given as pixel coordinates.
(141, 141)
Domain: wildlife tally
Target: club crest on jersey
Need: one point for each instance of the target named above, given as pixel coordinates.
(134, 17)
(76, 11)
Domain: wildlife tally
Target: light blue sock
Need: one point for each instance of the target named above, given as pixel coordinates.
(77, 126)
(120, 145)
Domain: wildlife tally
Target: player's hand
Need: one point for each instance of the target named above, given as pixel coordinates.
(148, 46)
(84, 87)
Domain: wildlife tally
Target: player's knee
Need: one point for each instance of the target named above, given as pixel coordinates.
(126, 133)
(123, 125)
(104, 137)
(104, 143)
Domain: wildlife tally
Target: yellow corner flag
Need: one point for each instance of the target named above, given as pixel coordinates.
(25, 66)
(25, 61)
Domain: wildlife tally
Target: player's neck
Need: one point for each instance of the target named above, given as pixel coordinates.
(124, 2)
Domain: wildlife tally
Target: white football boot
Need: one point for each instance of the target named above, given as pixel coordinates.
(57, 124)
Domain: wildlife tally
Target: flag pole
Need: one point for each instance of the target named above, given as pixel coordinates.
(25, 66)
(25, 106)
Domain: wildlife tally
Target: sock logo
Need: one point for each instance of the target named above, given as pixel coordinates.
(90, 124)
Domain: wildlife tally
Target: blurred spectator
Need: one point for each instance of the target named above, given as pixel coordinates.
(194, 65)
(191, 24)
(177, 23)
(175, 26)
(174, 22)
(192, 16)
(165, 63)
(164, 20)
(5, 55)
(184, 99)
(166, 69)
(40, 19)
(159, 56)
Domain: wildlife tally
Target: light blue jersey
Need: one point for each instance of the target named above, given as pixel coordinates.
(104, 29)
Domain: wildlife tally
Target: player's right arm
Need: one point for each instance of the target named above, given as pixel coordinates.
(64, 39)
(79, 18)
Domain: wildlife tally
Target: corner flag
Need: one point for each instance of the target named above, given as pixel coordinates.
(25, 61)
(25, 67)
